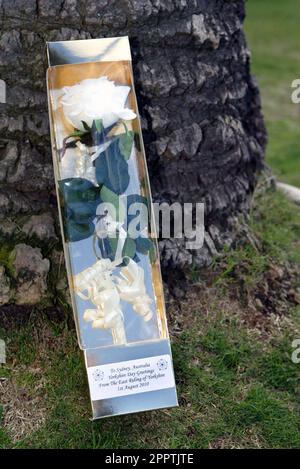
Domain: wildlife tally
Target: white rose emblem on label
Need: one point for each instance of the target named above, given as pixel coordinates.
(98, 375)
(162, 364)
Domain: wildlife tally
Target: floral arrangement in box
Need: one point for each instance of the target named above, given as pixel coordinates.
(94, 172)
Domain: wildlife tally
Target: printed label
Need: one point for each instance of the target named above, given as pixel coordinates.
(130, 377)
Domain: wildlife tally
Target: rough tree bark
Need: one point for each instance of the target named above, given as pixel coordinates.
(191, 68)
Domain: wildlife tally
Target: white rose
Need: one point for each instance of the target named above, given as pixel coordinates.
(96, 98)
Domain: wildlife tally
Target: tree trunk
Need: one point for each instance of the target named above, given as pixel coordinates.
(201, 116)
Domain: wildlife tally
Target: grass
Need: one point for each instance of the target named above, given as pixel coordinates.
(273, 240)
(237, 385)
(272, 29)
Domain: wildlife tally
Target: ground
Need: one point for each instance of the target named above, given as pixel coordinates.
(272, 30)
(232, 342)
(232, 336)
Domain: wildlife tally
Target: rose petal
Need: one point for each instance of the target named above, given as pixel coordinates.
(127, 114)
(96, 98)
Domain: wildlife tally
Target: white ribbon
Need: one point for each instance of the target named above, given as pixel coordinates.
(105, 291)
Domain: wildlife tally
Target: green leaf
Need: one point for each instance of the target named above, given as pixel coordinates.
(77, 231)
(143, 245)
(80, 195)
(98, 125)
(136, 198)
(108, 247)
(114, 244)
(125, 144)
(112, 169)
(97, 133)
(110, 197)
(129, 248)
(80, 201)
(85, 126)
(77, 133)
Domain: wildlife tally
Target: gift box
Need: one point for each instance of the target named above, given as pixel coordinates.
(108, 227)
